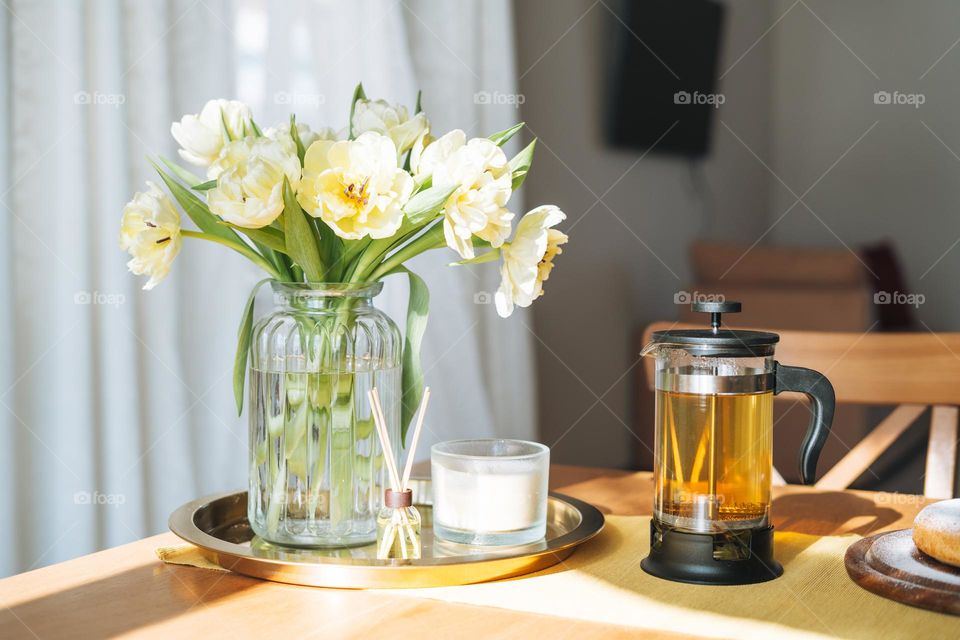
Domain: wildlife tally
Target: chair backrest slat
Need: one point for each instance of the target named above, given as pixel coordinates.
(941, 453)
(871, 368)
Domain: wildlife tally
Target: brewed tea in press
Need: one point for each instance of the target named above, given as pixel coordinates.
(713, 457)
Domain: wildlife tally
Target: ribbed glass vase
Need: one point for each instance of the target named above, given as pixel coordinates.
(316, 467)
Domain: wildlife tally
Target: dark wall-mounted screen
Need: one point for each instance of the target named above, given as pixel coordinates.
(664, 72)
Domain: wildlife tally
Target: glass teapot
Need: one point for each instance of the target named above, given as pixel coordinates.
(713, 456)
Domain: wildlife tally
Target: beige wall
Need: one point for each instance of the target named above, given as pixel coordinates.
(900, 181)
(627, 256)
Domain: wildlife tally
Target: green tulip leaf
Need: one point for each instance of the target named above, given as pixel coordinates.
(425, 182)
(198, 211)
(299, 240)
(224, 129)
(358, 94)
(520, 165)
(426, 204)
(267, 236)
(244, 335)
(331, 249)
(301, 150)
(205, 186)
(185, 176)
(501, 138)
(411, 378)
(489, 256)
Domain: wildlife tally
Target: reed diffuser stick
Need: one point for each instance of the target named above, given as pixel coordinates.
(408, 539)
(422, 411)
(380, 422)
(381, 425)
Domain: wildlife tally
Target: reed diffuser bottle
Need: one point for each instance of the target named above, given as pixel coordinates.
(398, 527)
(398, 521)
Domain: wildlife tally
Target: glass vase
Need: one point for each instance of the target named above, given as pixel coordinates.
(317, 475)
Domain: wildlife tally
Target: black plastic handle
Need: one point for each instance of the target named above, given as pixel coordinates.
(816, 386)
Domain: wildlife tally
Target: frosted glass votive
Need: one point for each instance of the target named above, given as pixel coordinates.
(490, 492)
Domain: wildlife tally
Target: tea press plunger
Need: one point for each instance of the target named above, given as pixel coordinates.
(714, 449)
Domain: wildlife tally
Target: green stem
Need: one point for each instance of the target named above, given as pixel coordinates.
(432, 239)
(369, 257)
(243, 250)
(297, 273)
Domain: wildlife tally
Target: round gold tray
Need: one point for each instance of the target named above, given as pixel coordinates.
(218, 526)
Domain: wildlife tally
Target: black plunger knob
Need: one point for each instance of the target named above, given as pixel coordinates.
(715, 309)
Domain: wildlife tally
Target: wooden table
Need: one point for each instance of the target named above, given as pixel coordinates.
(127, 591)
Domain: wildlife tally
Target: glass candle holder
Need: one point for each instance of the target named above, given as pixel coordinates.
(490, 492)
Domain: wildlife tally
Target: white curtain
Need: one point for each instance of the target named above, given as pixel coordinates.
(116, 404)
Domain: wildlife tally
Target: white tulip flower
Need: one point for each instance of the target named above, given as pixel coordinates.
(389, 120)
(355, 186)
(150, 233)
(528, 259)
(478, 206)
(249, 191)
(281, 133)
(201, 135)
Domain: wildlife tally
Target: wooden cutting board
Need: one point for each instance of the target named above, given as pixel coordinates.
(890, 565)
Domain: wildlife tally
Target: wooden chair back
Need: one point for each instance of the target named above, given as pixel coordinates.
(912, 370)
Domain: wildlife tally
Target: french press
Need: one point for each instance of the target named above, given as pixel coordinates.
(713, 455)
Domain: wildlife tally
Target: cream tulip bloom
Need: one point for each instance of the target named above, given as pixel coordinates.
(528, 259)
(478, 206)
(150, 232)
(201, 135)
(389, 120)
(355, 186)
(249, 191)
(308, 136)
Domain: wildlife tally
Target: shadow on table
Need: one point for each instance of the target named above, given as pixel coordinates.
(830, 513)
(118, 604)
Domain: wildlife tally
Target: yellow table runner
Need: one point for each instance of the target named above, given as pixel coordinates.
(603, 582)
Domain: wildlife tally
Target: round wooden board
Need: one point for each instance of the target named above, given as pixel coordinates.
(890, 565)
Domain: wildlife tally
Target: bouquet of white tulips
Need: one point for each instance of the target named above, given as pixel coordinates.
(317, 206)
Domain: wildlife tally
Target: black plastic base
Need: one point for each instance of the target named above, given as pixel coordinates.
(731, 557)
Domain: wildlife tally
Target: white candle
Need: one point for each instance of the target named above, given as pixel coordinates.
(481, 496)
(487, 503)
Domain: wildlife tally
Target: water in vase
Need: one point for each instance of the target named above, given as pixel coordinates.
(317, 472)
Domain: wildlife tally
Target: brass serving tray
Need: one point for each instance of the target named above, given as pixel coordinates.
(218, 526)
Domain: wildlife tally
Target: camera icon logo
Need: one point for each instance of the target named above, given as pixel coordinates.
(482, 297)
(682, 297)
(882, 297)
(681, 97)
(882, 97)
(481, 97)
(82, 497)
